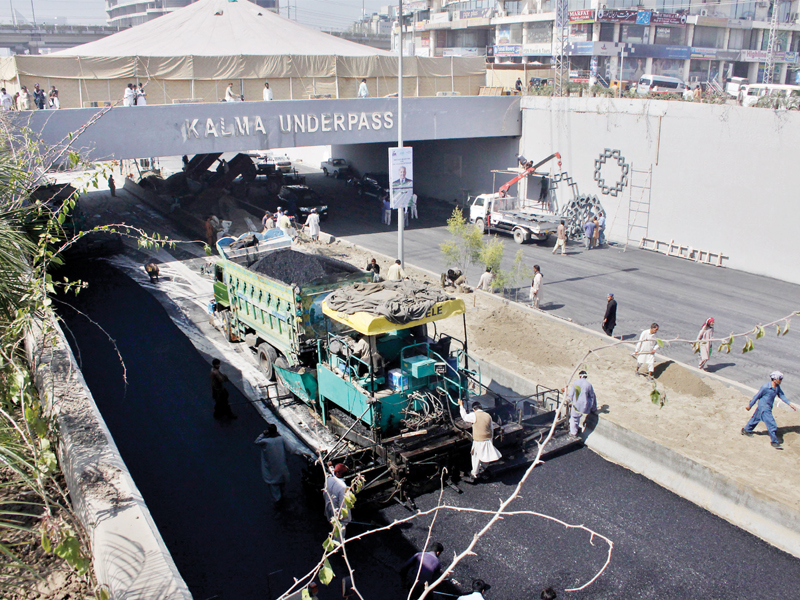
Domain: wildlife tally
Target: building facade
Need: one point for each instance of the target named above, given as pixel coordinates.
(697, 41)
(127, 13)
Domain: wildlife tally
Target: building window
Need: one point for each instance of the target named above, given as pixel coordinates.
(607, 32)
(580, 4)
(740, 39)
(668, 35)
(513, 7)
(708, 37)
(636, 34)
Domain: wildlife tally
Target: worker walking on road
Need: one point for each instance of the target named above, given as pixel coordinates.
(334, 492)
(536, 286)
(646, 350)
(561, 239)
(422, 569)
(312, 222)
(583, 401)
(610, 318)
(483, 451)
(112, 186)
(704, 342)
(765, 397)
(274, 469)
(222, 410)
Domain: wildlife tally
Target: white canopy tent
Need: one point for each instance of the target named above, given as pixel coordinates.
(193, 53)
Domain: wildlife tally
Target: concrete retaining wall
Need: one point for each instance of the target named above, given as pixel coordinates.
(724, 178)
(129, 556)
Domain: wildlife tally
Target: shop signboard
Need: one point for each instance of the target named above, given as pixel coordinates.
(440, 17)
(476, 13)
(508, 50)
(605, 15)
(415, 5)
(703, 53)
(541, 49)
(463, 51)
(761, 56)
(667, 19)
(581, 16)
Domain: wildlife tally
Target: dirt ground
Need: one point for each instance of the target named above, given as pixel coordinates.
(701, 418)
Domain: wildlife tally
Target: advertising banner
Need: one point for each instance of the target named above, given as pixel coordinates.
(605, 15)
(476, 13)
(401, 175)
(581, 16)
(508, 50)
(667, 19)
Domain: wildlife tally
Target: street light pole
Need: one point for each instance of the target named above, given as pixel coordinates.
(400, 213)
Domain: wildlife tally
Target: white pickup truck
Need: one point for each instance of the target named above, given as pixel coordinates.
(337, 167)
(495, 213)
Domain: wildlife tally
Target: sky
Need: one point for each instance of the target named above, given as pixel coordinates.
(323, 14)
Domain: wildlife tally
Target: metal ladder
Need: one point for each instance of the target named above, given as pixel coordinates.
(639, 191)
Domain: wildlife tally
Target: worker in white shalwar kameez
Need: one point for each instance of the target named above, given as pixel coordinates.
(581, 397)
(704, 342)
(274, 469)
(312, 222)
(536, 286)
(646, 350)
(483, 451)
(334, 493)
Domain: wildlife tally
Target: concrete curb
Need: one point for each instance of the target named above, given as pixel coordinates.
(128, 554)
(773, 522)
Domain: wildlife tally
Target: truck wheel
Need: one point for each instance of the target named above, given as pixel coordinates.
(282, 389)
(325, 170)
(519, 236)
(336, 174)
(266, 359)
(480, 225)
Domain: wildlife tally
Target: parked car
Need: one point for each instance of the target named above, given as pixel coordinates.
(374, 184)
(299, 200)
(281, 162)
(337, 167)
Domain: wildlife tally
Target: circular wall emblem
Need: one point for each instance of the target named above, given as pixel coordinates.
(624, 168)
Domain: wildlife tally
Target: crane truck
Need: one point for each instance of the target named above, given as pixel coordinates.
(500, 212)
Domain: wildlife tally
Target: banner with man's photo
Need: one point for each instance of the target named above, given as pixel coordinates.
(401, 176)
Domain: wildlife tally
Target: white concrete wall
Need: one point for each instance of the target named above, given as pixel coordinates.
(725, 178)
(435, 164)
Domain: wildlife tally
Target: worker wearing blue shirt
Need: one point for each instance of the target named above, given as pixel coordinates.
(766, 399)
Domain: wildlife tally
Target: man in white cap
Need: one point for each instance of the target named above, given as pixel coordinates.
(581, 397)
(646, 350)
(312, 222)
(766, 399)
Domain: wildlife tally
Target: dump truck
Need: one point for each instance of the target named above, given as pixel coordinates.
(269, 296)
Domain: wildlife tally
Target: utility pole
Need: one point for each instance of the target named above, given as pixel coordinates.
(400, 216)
(560, 59)
(769, 67)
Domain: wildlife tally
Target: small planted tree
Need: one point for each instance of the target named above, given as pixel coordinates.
(466, 244)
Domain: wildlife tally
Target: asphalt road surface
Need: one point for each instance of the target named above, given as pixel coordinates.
(201, 480)
(678, 294)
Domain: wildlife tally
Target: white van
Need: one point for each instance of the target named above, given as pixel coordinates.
(750, 94)
(734, 85)
(659, 84)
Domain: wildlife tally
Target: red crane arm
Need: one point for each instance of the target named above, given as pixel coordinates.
(529, 169)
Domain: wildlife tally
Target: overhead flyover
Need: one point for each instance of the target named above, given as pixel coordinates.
(204, 128)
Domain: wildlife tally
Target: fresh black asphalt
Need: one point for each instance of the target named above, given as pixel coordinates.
(201, 480)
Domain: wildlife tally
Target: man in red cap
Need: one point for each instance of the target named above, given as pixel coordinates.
(334, 492)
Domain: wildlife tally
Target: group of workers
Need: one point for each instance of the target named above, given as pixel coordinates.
(283, 221)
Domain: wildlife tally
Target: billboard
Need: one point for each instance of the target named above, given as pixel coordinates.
(401, 176)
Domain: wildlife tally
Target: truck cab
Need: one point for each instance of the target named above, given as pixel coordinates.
(507, 214)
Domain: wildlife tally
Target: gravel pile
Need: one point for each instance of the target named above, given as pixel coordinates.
(290, 266)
